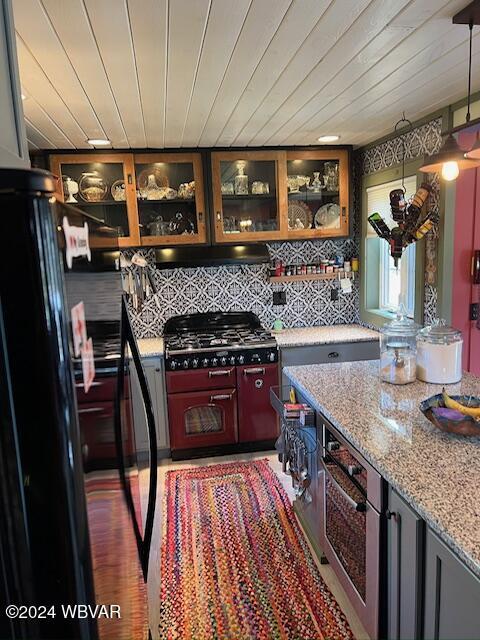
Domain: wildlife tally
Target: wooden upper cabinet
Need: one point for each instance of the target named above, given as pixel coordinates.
(103, 186)
(317, 189)
(248, 195)
(170, 198)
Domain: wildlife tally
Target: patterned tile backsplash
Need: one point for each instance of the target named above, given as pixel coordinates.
(246, 288)
(308, 303)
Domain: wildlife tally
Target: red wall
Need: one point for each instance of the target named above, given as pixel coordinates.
(466, 240)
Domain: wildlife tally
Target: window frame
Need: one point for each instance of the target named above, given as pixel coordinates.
(370, 311)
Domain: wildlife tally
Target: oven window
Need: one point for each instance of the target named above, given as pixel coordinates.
(345, 527)
(204, 419)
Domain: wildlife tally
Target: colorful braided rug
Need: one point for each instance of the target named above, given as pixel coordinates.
(235, 563)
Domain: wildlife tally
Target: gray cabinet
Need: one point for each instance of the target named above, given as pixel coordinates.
(155, 374)
(13, 140)
(324, 353)
(405, 535)
(452, 594)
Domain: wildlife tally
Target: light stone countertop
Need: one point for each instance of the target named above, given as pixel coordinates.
(308, 336)
(437, 473)
(149, 347)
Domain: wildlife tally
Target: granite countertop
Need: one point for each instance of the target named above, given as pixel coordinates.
(437, 473)
(306, 336)
(150, 347)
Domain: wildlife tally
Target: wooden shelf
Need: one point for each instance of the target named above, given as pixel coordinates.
(100, 203)
(167, 201)
(250, 196)
(314, 276)
(312, 195)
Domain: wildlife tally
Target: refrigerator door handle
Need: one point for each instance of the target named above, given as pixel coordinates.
(128, 338)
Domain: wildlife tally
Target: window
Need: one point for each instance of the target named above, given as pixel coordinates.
(394, 285)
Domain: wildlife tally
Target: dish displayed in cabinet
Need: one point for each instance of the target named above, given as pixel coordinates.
(299, 215)
(327, 217)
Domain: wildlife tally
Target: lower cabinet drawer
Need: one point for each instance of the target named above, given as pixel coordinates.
(335, 352)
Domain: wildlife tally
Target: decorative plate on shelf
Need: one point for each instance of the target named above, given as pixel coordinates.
(328, 217)
(299, 216)
(160, 178)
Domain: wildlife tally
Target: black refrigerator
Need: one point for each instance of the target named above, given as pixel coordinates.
(77, 499)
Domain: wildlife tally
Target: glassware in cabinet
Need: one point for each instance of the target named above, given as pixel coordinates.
(247, 201)
(170, 198)
(102, 186)
(317, 187)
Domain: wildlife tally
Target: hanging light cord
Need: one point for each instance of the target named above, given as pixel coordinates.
(470, 26)
(402, 138)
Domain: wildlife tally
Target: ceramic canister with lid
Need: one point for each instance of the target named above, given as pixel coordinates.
(439, 354)
(398, 350)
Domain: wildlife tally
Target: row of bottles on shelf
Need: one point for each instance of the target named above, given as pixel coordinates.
(324, 266)
(410, 227)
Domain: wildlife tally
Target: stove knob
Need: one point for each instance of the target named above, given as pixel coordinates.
(223, 361)
(241, 359)
(205, 362)
(256, 358)
(173, 365)
(185, 364)
(232, 359)
(214, 362)
(195, 363)
(271, 356)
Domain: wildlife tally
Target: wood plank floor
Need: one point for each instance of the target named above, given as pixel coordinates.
(154, 566)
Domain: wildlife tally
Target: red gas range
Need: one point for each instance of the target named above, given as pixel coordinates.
(220, 367)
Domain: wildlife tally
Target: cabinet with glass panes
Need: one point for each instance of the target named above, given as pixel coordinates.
(103, 187)
(317, 188)
(170, 198)
(246, 195)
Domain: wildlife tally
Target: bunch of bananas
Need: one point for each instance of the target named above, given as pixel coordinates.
(473, 412)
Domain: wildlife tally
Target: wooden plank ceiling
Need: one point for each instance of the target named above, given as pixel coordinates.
(173, 73)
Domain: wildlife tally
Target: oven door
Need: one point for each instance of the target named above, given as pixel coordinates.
(202, 418)
(350, 540)
(257, 418)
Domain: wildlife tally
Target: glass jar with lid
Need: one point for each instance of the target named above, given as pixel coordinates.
(398, 349)
(439, 354)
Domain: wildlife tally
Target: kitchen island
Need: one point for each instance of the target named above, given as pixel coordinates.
(432, 502)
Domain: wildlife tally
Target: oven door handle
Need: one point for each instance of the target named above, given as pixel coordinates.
(254, 371)
(220, 372)
(358, 506)
(221, 396)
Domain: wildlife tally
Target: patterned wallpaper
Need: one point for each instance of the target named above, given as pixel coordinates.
(308, 303)
(246, 288)
(423, 140)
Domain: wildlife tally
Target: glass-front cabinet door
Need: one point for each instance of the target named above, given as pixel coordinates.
(317, 187)
(103, 186)
(246, 195)
(170, 198)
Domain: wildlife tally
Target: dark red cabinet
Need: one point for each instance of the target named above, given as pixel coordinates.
(257, 418)
(202, 418)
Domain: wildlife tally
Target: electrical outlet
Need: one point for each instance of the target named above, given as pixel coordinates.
(279, 297)
(334, 294)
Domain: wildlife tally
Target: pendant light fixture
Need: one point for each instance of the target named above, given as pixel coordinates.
(450, 159)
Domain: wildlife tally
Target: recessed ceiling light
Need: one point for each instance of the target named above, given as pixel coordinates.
(330, 138)
(98, 142)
